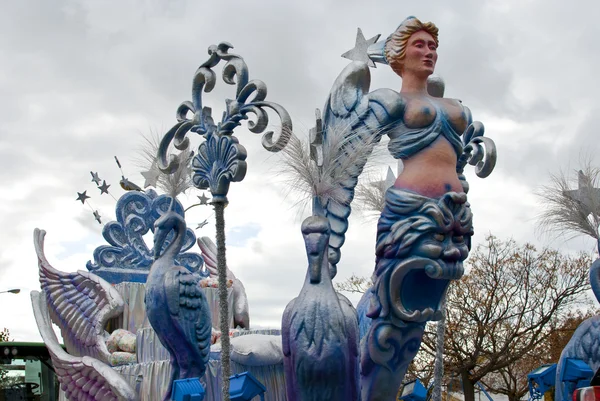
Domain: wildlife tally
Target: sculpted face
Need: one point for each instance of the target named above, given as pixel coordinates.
(421, 55)
(424, 249)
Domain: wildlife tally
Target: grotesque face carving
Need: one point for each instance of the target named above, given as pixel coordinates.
(422, 243)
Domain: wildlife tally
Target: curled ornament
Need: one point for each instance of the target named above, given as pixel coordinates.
(478, 151)
(390, 345)
(250, 99)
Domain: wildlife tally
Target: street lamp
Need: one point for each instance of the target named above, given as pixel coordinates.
(13, 291)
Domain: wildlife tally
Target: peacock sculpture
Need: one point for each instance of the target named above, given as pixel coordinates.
(176, 304)
(320, 330)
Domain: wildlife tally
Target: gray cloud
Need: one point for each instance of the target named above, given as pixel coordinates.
(80, 81)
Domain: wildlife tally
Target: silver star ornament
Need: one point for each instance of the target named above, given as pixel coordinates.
(359, 52)
(203, 199)
(103, 188)
(95, 178)
(81, 196)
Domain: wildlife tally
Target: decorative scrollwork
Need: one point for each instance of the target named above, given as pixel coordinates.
(386, 352)
(478, 151)
(389, 344)
(250, 99)
(128, 258)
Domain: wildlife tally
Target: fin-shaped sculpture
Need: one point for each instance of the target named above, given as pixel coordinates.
(354, 121)
(81, 378)
(319, 334)
(241, 315)
(79, 303)
(176, 305)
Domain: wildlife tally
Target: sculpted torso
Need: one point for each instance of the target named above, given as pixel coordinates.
(432, 171)
(428, 137)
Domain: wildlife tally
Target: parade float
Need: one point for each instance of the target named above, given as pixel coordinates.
(140, 320)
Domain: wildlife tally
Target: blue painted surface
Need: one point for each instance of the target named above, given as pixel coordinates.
(413, 391)
(585, 342)
(127, 257)
(187, 390)
(573, 374)
(421, 245)
(541, 380)
(244, 387)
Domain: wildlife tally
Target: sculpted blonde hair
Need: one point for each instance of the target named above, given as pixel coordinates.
(396, 43)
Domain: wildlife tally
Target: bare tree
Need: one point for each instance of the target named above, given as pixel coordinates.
(354, 284)
(512, 380)
(502, 310)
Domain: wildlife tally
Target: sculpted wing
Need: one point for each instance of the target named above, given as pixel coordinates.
(353, 122)
(209, 254)
(352, 331)
(241, 315)
(83, 378)
(79, 303)
(192, 310)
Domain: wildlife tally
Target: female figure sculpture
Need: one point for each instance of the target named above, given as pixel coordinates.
(423, 235)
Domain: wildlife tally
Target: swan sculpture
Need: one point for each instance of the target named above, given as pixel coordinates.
(80, 304)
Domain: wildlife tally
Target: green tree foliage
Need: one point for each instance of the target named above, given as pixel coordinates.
(4, 379)
(4, 335)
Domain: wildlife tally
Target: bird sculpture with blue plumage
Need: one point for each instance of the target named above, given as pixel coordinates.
(320, 330)
(176, 304)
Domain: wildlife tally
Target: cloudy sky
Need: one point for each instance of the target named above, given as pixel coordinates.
(83, 81)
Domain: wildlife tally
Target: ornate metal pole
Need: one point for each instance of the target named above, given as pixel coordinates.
(221, 158)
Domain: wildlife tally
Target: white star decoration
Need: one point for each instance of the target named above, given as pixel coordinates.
(390, 179)
(151, 177)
